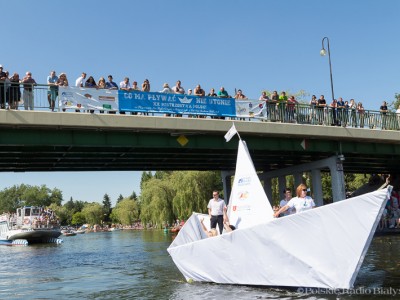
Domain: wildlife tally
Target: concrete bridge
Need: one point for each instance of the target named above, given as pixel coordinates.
(56, 141)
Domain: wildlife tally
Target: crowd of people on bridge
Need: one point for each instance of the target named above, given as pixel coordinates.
(276, 107)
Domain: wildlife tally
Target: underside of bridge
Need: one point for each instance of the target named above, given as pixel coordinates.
(25, 149)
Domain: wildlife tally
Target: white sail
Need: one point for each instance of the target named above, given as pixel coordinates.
(248, 203)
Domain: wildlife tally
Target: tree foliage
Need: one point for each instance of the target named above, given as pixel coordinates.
(26, 195)
(156, 201)
(176, 195)
(125, 212)
(146, 176)
(395, 104)
(193, 189)
(78, 218)
(93, 213)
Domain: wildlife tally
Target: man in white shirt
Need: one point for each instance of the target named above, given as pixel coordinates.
(217, 212)
(125, 84)
(79, 82)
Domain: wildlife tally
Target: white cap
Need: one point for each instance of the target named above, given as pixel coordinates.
(1, 66)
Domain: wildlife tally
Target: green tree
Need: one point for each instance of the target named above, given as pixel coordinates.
(394, 105)
(146, 176)
(193, 189)
(93, 213)
(125, 212)
(78, 218)
(133, 196)
(26, 195)
(120, 198)
(62, 213)
(107, 207)
(156, 201)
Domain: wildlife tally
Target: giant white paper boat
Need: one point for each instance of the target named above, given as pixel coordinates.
(323, 247)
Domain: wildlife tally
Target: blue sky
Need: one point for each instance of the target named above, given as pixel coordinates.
(251, 45)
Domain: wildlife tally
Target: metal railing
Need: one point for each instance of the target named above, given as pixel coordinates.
(273, 112)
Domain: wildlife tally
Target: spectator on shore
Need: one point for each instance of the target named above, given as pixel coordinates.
(52, 93)
(28, 96)
(110, 84)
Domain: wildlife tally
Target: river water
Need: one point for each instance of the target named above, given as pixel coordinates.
(135, 265)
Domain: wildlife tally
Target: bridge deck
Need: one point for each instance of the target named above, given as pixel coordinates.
(46, 141)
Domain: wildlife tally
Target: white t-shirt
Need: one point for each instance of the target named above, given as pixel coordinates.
(79, 81)
(217, 207)
(301, 204)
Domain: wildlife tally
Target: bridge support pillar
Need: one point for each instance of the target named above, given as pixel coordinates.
(281, 185)
(226, 183)
(334, 163)
(317, 187)
(337, 177)
(298, 179)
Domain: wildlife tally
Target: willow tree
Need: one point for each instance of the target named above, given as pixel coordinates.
(93, 213)
(126, 212)
(193, 191)
(156, 201)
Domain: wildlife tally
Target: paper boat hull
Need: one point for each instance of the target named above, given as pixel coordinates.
(323, 247)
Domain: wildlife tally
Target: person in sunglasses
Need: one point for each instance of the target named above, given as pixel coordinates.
(301, 203)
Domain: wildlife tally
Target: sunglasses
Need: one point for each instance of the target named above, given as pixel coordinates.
(304, 190)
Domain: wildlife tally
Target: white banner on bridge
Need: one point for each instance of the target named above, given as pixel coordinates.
(250, 108)
(88, 98)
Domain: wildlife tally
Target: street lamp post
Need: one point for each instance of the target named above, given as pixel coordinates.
(323, 53)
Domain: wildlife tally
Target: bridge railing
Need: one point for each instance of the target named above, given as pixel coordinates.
(270, 112)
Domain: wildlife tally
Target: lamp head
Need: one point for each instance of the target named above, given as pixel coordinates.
(323, 52)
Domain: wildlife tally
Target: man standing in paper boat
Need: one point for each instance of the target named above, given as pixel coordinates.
(217, 212)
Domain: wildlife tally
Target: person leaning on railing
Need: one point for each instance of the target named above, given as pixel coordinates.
(3, 78)
(383, 110)
(28, 83)
(14, 94)
(361, 114)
